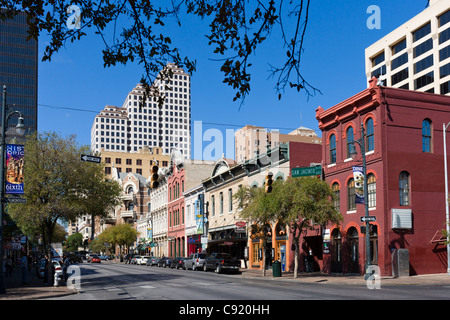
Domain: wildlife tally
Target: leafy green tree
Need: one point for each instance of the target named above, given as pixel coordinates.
(237, 29)
(58, 186)
(300, 203)
(74, 241)
(306, 204)
(122, 235)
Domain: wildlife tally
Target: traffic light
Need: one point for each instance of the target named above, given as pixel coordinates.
(154, 177)
(269, 182)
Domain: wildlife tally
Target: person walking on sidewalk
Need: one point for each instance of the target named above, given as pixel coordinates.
(9, 266)
(24, 266)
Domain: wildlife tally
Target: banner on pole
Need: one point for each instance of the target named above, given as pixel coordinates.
(14, 169)
(358, 176)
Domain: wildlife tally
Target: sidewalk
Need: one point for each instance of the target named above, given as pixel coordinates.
(34, 289)
(318, 277)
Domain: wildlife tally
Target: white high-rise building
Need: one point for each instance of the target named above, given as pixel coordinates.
(130, 128)
(416, 55)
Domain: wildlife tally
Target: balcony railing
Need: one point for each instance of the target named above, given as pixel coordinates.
(128, 214)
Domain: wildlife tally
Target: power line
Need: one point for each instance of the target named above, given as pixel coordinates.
(203, 122)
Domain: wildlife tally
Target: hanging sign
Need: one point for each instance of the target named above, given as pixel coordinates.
(14, 169)
(358, 176)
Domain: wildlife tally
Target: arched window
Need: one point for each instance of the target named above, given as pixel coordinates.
(426, 135)
(350, 139)
(332, 148)
(351, 205)
(370, 139)
(337, 196)
(403, 186)
(372, 190)
(130, 190)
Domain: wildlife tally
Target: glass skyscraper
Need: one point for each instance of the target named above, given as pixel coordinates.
(18, 70)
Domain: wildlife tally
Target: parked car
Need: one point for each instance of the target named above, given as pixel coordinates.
(164, 262)
(177, 263)
(95, 259)
(41, 265)
(134, 259)
(75, 257)
(142, 260)
(220, 262)
(195, 261)
(103, 257)
(152, 261)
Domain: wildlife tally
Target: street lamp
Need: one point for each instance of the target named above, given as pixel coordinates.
(353, 153)
(444, 131)
(20, 130)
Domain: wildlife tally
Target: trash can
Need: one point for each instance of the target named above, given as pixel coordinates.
(276, 268)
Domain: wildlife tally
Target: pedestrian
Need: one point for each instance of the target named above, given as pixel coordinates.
(9, 266)
(24, 265)
(65, 266)
(46, 270)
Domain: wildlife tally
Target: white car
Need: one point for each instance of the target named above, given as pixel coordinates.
(142, 260)
(56, 264)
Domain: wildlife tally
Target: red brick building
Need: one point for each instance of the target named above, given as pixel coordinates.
(175, 210)
(405, 175)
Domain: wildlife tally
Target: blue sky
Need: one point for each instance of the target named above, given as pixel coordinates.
(333, 62)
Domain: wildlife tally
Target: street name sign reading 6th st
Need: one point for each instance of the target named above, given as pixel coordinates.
(88, 158)
(306, 171)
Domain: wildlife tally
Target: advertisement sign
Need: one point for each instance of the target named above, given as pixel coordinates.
(149, 234)
(14, 169)
(198, 211)
(358, 176)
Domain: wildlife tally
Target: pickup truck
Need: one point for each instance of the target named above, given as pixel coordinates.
(220, 262)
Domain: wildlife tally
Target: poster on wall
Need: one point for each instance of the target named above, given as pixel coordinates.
(358, 176)
(198, 216)
(14, 169)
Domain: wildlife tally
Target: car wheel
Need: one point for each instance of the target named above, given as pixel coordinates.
(205, 268)
(218, 269)
(193, 267)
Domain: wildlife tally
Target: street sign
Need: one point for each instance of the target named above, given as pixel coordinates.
(369, 219)
(15, 200)
(88, 158)
(306, 171)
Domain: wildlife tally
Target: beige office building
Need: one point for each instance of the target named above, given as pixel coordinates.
(251, 140)
(140, 162)
(416, 55)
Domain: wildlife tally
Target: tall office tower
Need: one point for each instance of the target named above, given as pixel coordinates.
(166, 126)
(416, 55)
(18, 70)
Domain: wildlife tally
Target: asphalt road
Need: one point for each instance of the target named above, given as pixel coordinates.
(112, 281)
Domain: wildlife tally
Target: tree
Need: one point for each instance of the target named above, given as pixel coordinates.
(310, 205)
(259, 207)
(74, 241)
(300, 203)
(236, 30)
(57, 186)
(122, 235)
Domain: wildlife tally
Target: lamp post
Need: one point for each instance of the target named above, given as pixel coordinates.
(447, 222)
(361, 142)
(20, 129)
